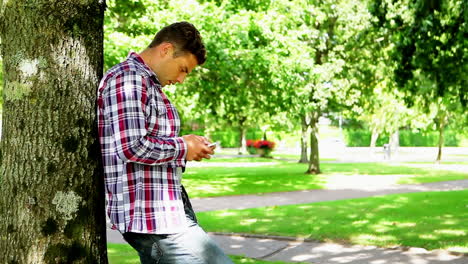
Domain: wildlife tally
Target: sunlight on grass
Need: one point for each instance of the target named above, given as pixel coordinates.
(431, 220)
(207, 188)
(227, 213)
(406, 224)
(353, 216)
(451, 232)
(387, 206)
(289, 176)
(217, 181)
(248, 221)
(370, 239)
(428, 236)
(402, 199)
(381, 228)
(450, 222)
(360, 222)
(122, 254)
(260, 182)
(385, 226)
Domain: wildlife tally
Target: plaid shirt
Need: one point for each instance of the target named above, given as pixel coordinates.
(142, 153)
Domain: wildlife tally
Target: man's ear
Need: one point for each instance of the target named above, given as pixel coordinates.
(166, 48)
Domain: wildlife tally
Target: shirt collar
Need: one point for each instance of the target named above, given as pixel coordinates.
(141, 64)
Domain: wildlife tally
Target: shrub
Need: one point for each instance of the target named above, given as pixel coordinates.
(262, 147)
(228, 138)
(361, 138)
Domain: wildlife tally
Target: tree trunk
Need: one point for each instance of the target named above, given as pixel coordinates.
(304, 158)
(314, 163)
(242, 141)
(441, 138)
(394, 142)
(52, 202)
(374, 137)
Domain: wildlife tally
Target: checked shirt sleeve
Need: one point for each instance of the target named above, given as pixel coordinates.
(126, 106)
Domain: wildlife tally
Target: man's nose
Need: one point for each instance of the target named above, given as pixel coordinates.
(180, 78)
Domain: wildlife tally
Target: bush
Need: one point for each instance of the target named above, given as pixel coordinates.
(361, 138)
(228, 138)
(262, 147)
(428, 139)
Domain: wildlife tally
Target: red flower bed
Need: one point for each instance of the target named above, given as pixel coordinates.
(263, 144)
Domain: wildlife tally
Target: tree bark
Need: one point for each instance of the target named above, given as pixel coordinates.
(394, 142)
(374, 137)
(242, 139)
(441, 137)
(52, 202)
(305, 127)
(314, 162)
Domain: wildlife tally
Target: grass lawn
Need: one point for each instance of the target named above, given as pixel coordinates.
(124, 254)
(289, 176)
(431, 220)
(279, 157)
(233, 160)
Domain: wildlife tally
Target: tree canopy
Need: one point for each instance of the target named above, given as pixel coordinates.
(275, 63)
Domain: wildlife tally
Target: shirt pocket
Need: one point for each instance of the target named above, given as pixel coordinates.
(157, 118)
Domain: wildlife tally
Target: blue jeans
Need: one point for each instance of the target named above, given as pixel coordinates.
(193, 246)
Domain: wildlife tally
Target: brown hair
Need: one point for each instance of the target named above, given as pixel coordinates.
(185, 38)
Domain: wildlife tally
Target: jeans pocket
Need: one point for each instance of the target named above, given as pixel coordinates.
(156, 252)
(146, 245)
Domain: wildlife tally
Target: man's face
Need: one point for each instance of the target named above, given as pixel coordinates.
(172, 70)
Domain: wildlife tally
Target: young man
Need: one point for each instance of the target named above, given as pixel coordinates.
(144, 156)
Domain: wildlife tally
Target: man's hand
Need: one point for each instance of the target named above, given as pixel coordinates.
(197, 147)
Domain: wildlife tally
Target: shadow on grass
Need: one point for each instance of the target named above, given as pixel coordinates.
(432, 220)
(218, 181)
(284, 176)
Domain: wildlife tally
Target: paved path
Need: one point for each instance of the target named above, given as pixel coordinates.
(291, 250)
(330, 253)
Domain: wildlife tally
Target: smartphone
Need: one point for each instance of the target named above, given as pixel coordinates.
(212, 145)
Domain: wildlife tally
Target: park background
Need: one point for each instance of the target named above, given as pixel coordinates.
(348, 88)
(275, 68)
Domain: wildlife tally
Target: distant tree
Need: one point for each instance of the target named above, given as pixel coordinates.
(315, 62)
(235, 82)
(427, 42)
(232, 87)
